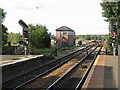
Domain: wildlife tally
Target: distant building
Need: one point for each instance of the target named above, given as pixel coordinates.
(65, 36)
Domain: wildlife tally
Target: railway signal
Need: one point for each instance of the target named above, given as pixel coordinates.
(114, 30)
(113, 27)
(23, 24)
(25, 35)
(114, 33)
(25, 28)
(113, 39)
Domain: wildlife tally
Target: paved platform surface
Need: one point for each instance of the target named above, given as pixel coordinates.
(10, 59)
(104, 73)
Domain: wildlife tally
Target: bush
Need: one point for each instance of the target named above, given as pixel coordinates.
(109, 43)
(80, 42)
(39, 36)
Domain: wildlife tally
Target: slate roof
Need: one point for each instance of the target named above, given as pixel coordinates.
(64, 28)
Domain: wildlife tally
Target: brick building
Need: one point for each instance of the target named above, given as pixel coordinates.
(65, 36)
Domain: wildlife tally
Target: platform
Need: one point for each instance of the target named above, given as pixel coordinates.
(104, 74)
(11, 59)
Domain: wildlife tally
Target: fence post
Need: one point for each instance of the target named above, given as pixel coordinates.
(55, 52)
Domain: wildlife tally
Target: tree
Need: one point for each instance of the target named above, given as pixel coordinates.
(88, 37)
(39, 36)
(111, 10)
(14, 38)
(4, 35)
(4, 29)
(2, 15)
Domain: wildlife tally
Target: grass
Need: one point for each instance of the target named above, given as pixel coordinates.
(45, 51)
(48, 51)
(61, 52)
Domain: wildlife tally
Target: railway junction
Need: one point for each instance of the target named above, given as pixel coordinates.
(85, 68)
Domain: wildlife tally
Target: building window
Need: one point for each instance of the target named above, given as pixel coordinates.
(63, 33)
(71, 33)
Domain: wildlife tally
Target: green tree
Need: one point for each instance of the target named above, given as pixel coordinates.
(88, 37)
(4, 29)
(111, 10)
(14, 38)
(39, 36)
(2, 15)
(4, 35)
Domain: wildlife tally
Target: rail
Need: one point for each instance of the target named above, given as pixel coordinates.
(67, 57)
(62, 77)
(58, 65)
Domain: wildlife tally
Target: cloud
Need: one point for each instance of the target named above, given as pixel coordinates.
(84, 16)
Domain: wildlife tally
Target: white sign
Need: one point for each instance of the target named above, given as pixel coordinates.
(118, 49)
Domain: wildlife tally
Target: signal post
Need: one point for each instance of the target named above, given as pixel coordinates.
(25, 36)
(114, 34)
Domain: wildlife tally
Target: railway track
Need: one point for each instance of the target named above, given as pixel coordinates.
(75, 77)
(29, 76)
(25, 78)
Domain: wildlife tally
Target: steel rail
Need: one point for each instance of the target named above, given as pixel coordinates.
(53, 68)
(43, 65)
(81, 82)
(58, 80)
(50, 70)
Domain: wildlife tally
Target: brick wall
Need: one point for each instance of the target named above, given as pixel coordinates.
(70, 40)
(66, 40)
(57, 34)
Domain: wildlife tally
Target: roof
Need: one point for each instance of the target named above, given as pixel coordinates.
(64, 28)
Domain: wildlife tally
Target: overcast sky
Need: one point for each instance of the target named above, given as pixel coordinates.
(83, 16)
